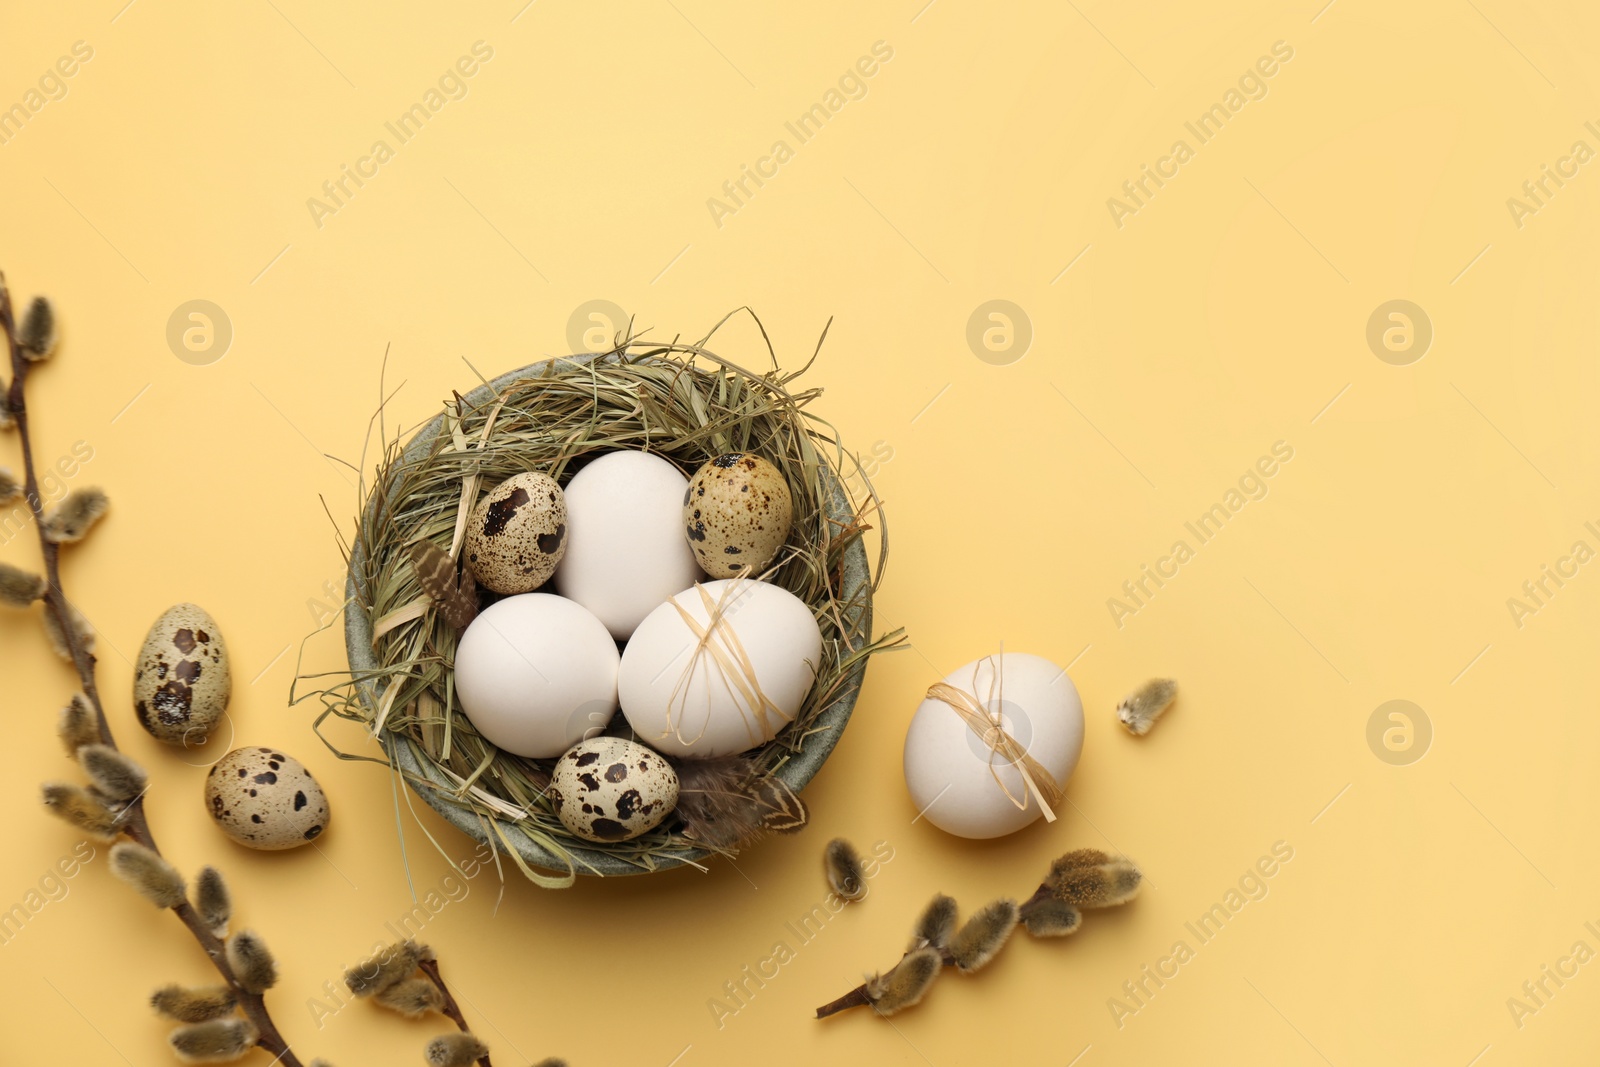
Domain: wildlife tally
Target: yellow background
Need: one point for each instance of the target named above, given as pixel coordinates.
(1229, 313)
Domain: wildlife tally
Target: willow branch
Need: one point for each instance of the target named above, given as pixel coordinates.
(134, 823)
(450, 1008)
(857, 997)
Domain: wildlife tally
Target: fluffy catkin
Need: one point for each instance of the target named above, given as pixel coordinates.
(116, 775)
(156, 880)
(1140, 709)
(76, 725)
(410, 997)
(843, 866)
(907, 983)
(10, 488)
(18, 587)
(70, 520)
(1049, 917)
(1079, 857)
(212, 902)
(935, 925)
(78, 807)
(983, 935)
(217, 1041)
(37, 336)
(1099, 886)
(252, 963)
(193, 1005)
(377, 973)
(454, 1050)
(58, 639)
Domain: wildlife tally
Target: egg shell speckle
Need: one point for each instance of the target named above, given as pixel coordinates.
(183, 678)
(518, 533)
(612, 789)
(265, 799)
(737, 514)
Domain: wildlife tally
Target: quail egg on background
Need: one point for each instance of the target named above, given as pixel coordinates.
(518, 533)
(737, 514)
(265, 799)
(183, 679)
(612, 789)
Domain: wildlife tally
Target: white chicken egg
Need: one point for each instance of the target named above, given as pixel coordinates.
(626, 552)
(951, 772)
(734, 688)
(536, 673)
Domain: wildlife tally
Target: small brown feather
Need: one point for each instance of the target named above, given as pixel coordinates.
(728, 801)
(455, 592)
(782, 810)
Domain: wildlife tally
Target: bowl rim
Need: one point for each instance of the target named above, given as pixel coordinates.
(795, 772)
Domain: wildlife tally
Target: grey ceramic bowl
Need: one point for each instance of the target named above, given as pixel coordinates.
(795, 772)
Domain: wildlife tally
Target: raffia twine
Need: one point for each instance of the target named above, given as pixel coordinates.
(717, 640)
(1041, 784)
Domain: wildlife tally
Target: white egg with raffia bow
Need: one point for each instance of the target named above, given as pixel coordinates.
(536, 674)
(625, 550)
(989, 751)
(719, 668)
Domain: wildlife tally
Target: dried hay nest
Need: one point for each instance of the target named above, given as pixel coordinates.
(678, 400)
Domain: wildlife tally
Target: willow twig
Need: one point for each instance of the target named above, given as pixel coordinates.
(1081, 879)
(450, 1008)
(134, 822)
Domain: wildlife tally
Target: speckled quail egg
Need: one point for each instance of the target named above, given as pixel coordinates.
(264, 799)
(737, 514)
(183, 679)
(518, 533)
(612, 789)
